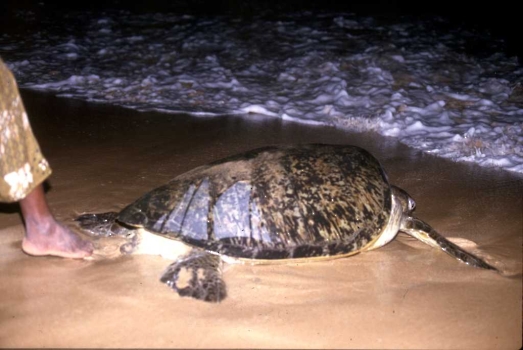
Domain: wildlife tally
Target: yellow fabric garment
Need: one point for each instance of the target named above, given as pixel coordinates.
(22, 165)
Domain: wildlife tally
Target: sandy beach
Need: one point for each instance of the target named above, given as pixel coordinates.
(404, 295)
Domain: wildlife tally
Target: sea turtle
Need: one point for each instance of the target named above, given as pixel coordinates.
(268, 205)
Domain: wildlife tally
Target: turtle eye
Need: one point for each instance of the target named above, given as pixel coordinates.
(412, 204)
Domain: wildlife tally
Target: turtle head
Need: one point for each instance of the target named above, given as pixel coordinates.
(407, 203)
(402, 206)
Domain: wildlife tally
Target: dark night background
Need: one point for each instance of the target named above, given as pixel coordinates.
(500, 18)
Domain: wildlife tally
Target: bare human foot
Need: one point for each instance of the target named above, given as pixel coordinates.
(46, 236)
(54, 239)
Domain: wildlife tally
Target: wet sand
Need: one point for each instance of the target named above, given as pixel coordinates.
(404, 295)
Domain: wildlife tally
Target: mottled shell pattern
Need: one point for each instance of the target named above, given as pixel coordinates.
(273, 203)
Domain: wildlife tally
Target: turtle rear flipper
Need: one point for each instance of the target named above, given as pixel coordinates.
(102, 224)
(425, 233)
(204, 280)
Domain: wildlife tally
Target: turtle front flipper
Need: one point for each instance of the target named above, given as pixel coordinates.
(203, 280)
(422, 231)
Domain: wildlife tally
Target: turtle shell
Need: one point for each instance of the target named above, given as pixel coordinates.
(273, 203)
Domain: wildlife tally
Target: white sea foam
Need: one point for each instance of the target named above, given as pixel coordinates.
(401, 80)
